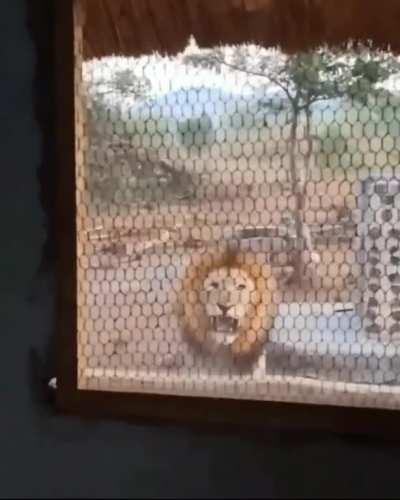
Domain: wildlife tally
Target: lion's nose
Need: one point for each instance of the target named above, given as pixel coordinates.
(223, 308)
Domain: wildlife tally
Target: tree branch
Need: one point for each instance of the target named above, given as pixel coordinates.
(257, 73)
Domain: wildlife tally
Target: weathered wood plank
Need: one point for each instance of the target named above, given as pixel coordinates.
(134, 27)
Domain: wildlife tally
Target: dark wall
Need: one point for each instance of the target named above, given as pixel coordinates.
(44, 454)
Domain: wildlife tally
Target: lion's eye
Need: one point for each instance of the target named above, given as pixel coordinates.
(241, 286)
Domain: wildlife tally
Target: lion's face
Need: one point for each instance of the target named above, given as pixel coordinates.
(228, 305)
(227, 295)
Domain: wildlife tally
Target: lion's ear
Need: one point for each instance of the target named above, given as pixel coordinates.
(231, 257)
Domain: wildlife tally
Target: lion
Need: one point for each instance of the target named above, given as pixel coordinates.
(229, 304)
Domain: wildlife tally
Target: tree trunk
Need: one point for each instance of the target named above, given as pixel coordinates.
(314, 257)
(303, 233)
(299, 204)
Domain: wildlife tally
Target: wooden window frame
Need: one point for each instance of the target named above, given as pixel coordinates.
(154, 407)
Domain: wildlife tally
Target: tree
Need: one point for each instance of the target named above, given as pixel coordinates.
(303, 79)
(122, 84)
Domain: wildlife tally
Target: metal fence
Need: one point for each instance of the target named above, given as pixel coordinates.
(207, 266)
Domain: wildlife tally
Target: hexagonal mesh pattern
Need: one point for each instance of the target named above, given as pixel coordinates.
(223, 252)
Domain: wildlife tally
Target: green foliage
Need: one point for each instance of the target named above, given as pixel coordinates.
(368, 70)
(206, 59)
(124, 83)
(307, 77)
(201, 126)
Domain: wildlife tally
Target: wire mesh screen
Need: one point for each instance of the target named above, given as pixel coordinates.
(238, 224)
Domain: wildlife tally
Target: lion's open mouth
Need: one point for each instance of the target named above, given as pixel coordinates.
(224, 324)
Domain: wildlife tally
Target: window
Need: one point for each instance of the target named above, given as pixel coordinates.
(236, 228)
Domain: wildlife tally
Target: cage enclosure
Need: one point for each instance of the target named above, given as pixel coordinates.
(236, 204)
